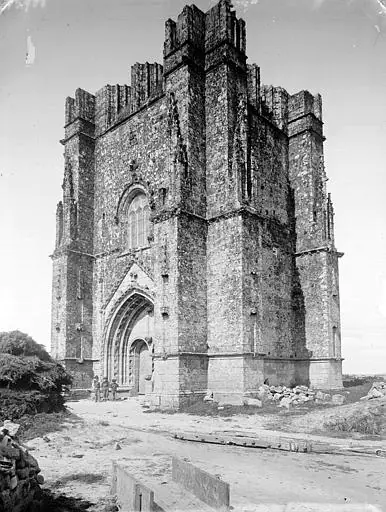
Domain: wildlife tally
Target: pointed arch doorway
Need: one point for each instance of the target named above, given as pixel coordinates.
(140, 366)
(128, 356)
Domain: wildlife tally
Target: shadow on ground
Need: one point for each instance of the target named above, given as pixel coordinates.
(49, 501)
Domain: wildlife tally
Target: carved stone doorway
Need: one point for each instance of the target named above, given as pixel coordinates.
(140, 366)
(130, 344)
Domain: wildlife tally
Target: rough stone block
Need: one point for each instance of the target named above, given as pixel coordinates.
(206, 487)
(130, 493)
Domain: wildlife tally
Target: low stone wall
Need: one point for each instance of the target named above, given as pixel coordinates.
(19, 474)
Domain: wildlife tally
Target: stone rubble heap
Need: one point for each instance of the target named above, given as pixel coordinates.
(378, 390)
(285, 397)
(19, 471)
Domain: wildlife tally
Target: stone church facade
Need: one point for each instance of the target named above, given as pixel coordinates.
(195, 239)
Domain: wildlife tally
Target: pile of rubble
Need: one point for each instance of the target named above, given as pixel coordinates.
(285, 397)
(378, 390)
(19, 471)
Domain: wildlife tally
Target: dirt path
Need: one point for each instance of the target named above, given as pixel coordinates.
(77, 460)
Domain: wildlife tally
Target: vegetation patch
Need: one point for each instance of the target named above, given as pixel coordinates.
(30, 381)
(85, 478)
(42, 424)
(364, 422)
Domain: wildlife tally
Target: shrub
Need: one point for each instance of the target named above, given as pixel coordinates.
(30, 380)
(18, 343)
(22, 373)
(15, 404)
(364, 422)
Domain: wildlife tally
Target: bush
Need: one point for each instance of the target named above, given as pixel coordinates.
(22, 373)
(364, 422)
(30, 380)
(18, 343)
(15, 404)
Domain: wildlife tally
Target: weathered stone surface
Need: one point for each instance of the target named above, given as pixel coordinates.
(19, 473)
(195, 241)
(286, 402)
(253, 402)
(338, 399)
(130, 493)
(206, 487)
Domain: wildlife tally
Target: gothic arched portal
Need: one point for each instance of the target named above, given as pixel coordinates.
(128, 356)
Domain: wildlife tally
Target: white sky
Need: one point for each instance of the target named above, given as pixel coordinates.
(335, 47)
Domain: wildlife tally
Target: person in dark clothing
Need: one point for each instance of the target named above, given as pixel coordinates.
(113, 388)
(96, 387)
(105, 389)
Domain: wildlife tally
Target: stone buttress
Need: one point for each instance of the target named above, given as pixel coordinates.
(72, 300)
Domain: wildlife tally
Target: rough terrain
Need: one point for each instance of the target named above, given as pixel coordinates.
(77, 459)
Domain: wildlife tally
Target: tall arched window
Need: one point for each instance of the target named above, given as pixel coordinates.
(138, 220)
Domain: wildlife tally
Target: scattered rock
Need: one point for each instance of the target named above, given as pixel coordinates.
(378, 390)
(263, 391)
(296, 395)
(209, 396)
(255, 402)
(286, 402)
(19, 470)
(338, 399)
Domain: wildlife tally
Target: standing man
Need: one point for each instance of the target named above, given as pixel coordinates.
(96, 387)
(105, 389)
(113, 387)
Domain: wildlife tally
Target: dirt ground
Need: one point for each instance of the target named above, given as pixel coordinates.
(77, 460)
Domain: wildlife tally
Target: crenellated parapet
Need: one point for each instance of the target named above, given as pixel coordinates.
(270, 102)
(114, 102)
(80, 114)
(184, 39)
(225, 37)
(305, 113)
(274, 105)
(146, 83)
(111, 100)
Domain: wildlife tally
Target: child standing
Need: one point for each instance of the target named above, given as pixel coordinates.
(96, 387)
(113, 387)
(105, 389)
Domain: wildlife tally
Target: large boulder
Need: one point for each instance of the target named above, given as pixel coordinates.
(338, 399)
(253, 402)
(286, 402)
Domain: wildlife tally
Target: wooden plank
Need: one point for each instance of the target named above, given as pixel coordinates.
(283, 443)
(249, 442)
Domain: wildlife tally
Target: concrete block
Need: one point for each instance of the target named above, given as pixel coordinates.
(130, 493)
(206, 487)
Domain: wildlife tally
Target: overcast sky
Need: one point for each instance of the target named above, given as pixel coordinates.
(335, 47)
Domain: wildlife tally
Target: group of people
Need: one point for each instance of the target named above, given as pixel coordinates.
(102, 389)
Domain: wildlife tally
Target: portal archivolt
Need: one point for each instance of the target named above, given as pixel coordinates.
(130, 343)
